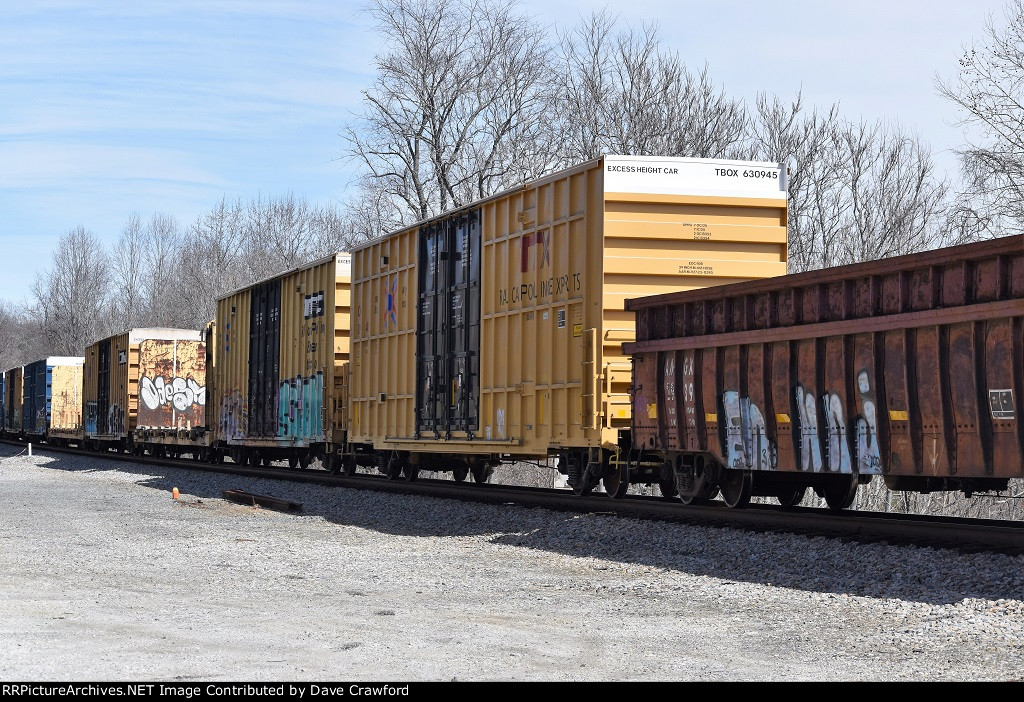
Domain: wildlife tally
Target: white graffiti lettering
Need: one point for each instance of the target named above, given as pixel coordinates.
(810, 451)
(748, 442)
(869, 459)
(182, 393)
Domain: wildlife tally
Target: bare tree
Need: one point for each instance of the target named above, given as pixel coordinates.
(857, 192)
(988, 90)
(128, 293)
(278, 236)
(895, 202)
(454, 112)
(808, 143)
(209, 261)
(71, 296)
(160, 280)
(619, 91)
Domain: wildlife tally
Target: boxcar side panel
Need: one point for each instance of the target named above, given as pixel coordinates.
(66, 398)
(172, 384)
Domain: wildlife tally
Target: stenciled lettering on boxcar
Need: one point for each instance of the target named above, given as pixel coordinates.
(234, 415)
(747, 441)
(300, 407)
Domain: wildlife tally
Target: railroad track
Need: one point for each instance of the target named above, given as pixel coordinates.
(965, 534)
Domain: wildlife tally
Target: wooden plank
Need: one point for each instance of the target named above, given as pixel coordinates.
(248, 498)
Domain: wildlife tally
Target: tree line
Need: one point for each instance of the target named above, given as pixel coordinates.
(472, 97)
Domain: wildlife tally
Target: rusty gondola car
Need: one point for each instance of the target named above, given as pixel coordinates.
(909, 368)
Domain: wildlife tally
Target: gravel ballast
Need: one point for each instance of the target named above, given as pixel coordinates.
(106, 577)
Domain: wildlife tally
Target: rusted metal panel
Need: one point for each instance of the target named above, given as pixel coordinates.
(172, 384)
(13, 397)
(912, 366)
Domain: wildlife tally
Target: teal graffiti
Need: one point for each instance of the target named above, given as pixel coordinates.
(300, 407)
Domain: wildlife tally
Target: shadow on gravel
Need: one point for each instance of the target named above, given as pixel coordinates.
(816, 564)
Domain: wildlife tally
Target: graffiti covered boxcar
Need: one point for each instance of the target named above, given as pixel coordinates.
(282, 366)
(151, 380)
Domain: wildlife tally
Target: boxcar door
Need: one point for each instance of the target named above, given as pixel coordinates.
(448, 332)
(103, 388)
(264, 358)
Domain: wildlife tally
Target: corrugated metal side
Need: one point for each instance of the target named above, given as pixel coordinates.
(34, 401)
(66, 398)
(382, 369)
(112, 383)
(558, 258)
(314, 344)
(306, 403)
(232, 369)
(661, 243)
(904, 367)
(542, 313)
(90, 388)
(264, 358)
(124, 386)
(211, 406)
(172, 384)
(107, 371)
(14, 396)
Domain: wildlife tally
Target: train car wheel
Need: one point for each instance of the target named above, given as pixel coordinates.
(348, 465)
(840, 493)
(791, 498)
(394, 468)
(616, 483)
(293, 462)
(330, 463)
(461, 473)
(668, 489)
(410, 472)
(736, 486)
(304, 461)
(482, 473)
(703, 491)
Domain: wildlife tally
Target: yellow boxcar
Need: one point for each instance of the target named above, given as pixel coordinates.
(281, 365)
(494, 332)
(145, 380)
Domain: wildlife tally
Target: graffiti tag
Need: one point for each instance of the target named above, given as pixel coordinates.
(181, 393)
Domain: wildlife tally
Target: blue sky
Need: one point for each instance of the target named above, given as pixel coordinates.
(109, 107)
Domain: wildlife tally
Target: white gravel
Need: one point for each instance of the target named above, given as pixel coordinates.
(105, 577)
